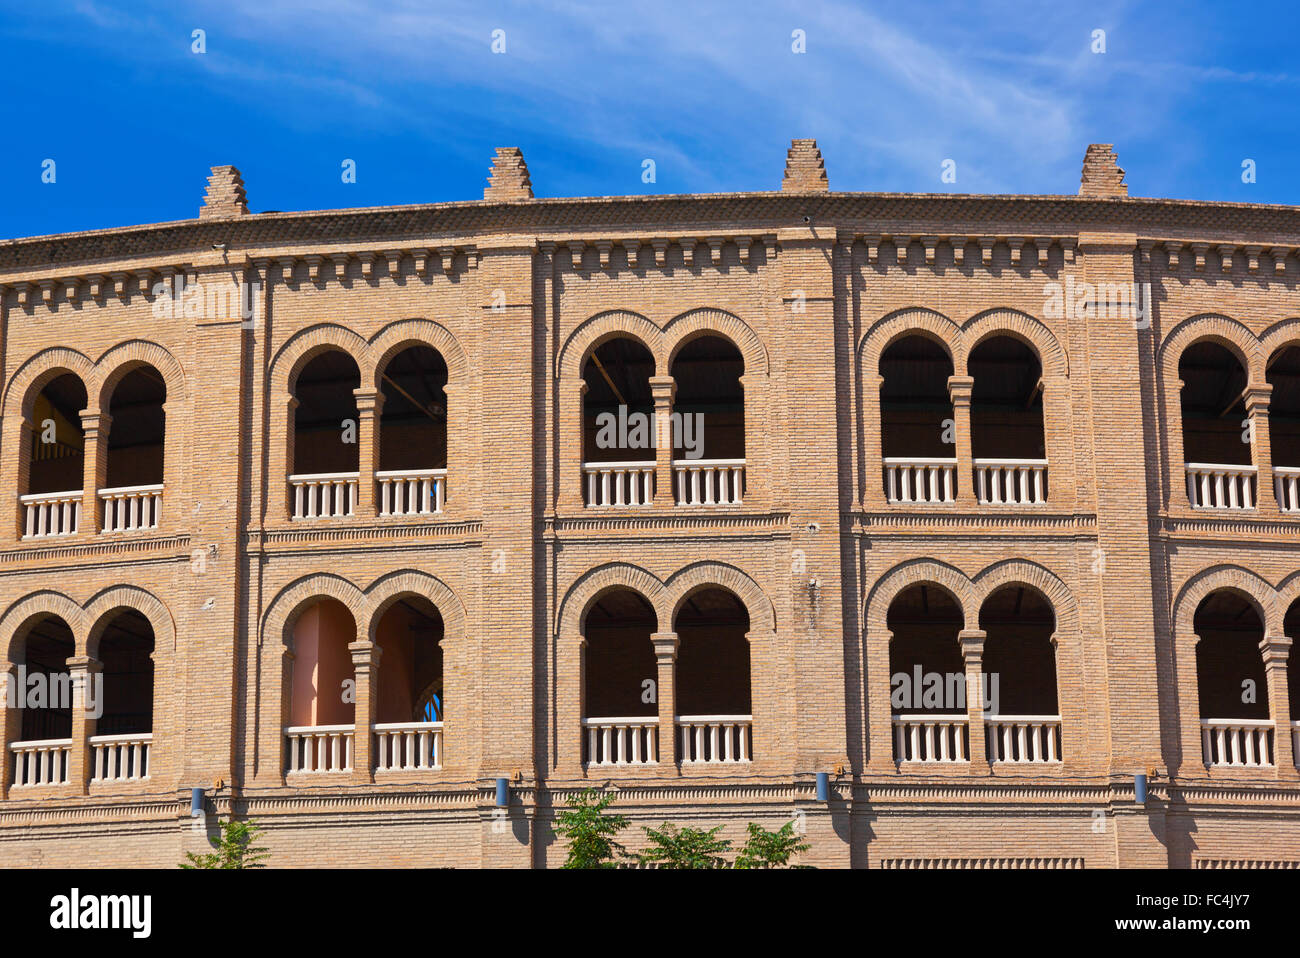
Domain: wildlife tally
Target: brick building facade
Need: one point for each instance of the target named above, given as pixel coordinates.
(346, 557)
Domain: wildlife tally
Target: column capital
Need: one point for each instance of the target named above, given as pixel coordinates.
(665, 644)
(663, 388)
(369, 401)
(95, 421)
(1275, 649)
(365, 654)
(960, 388)
(972, 643)
(83, 665)
(1256, 397)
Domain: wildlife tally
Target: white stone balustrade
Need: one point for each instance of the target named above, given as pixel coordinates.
(320, 748)
(619, 483)
(1013, 482)
(1286, 487)
(1241, 743)
(120, 758)
(131, 508)
(51, 514)
(1217, 486)
(621, 741)
(920, 480)
(930, 738)
(1024, 738)
(43, 762)
(408, 746)
(411, 492)
(328, 495)
(715, 739)
(709, 482)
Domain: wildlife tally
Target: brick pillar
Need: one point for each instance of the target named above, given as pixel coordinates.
(758, 457)
(370, 403)
(1261, 447)
(280, 506)
(1276, 650)
(16, 464)
(95, 427)
(972, 651)
(666, 644)
(571, 702)
(12, 717)
(365, 660)
(570, 494)
(664, 391)
(82, 669)
(959, 390)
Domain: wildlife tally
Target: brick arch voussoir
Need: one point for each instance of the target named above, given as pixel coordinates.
(1232, 334)
(906, 322)
(36, 372)
(1249, 585)
(403, 334)
(591, 585)
(121, 359)
(306, 345)
(916, 572)
(387, 590)
(19, 615)
(294, 598)
(1279, 336)
(708, 321)
(1037, 577)
(603, 327)
(1028, 329)
(703, 575)
(102, 607)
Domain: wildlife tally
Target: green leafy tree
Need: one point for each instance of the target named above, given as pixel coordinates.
(591, 833)
(673, 847)
(235, 849)
(764, 849)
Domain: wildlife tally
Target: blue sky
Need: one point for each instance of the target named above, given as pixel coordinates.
(289, 89)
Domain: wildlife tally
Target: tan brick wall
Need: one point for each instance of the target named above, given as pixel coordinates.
(514, 293)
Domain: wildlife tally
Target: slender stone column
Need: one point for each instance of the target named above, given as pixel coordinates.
(959, 389)
(664, 391)
(365, 660)
(95, 426)
(1261, 447)
(972, 650)
(1276, 651)
(370, 403)
(666, 644)
(83, 670)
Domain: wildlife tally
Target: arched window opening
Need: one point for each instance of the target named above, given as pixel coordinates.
(927, 676)
(126, 657)
(409, 698)
(618, 439)
(42, 691)
(322, 709)
(136, 435)
(1021, 710)
(58, 440)
(1231, 686)
(45, 691)
(713, 678)
(1007, 439)
(1212, 405)
(412, 472)
(620, 688)
(122, 745)
(916, 421)
(708, 423)
(326, 455)
(1291, 629)
(1284, 425)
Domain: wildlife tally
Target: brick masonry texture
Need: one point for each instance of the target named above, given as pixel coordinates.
(515, 292)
